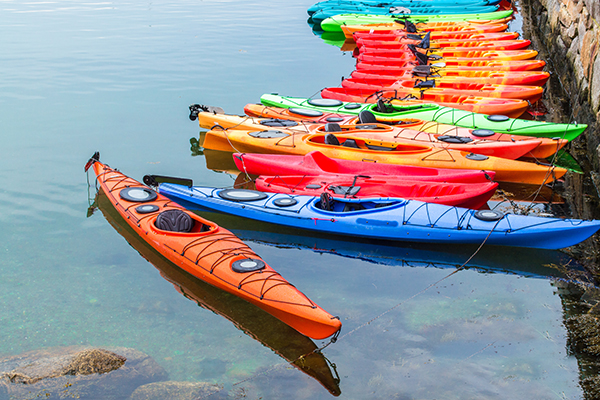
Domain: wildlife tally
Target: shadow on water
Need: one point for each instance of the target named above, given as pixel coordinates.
(292, 346)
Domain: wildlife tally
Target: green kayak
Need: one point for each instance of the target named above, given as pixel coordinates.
(333, 24)
(431, 112)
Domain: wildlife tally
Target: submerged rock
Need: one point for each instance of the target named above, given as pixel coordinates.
(173, 390)
(80, 372)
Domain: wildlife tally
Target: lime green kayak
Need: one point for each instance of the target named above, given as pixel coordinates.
(333, 24)
(431, 112)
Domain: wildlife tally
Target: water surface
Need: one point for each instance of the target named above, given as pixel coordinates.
(117, 77)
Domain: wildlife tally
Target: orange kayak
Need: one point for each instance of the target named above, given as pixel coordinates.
(369, 61)
(525, 78)
(281, 117)
(463, 27)
(211, 253)
(451, 138)
(356, 147)
(512, 108)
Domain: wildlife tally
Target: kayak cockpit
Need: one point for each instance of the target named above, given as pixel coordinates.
(345, 205)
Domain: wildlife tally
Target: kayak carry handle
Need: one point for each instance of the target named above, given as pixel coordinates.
(91, 161)
(154, 180)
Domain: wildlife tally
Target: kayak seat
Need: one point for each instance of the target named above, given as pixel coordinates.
(344, 190)
(326, 202)
(174, 221)
(350, 143)
(331, 139)
(367, 117)
(332, 127)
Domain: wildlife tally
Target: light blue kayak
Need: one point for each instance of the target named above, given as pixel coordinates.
(388, 218)
(398, 3)
(415, 11)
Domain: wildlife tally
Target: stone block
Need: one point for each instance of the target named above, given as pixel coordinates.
(588, 51)
(573, 52)
(565, 18)
(595, 86)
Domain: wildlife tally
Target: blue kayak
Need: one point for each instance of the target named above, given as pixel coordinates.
(388, 218)
(398, 3)
(416, 10)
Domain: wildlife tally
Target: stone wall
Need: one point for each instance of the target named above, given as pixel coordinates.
(568, 34)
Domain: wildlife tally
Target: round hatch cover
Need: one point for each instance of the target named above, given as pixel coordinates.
(247, 265)
(334, 119)
(476, 157)
(305, 112)
(483, 132)
(242, 195)
(497, 118)
(488, 215)
(147, 208)
(286, 202)
(352, 106)
(138, 194)
(324, 102)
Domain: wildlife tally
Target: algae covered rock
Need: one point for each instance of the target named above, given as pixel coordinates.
(178, 391)
(77, 372)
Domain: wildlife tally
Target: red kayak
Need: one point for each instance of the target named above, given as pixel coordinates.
(524, 78)
(316, 163)
(468, 195)
(451, 86)
(387, 64)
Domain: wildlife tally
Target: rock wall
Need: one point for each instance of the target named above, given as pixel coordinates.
(567, 33)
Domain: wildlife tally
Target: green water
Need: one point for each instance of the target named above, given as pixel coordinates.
(117, 77)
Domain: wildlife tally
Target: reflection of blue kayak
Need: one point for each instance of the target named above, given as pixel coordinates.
(397, 3)
(414, 10)
(531, 263)
(389, 218)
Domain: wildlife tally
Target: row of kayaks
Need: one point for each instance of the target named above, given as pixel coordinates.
(409, 148)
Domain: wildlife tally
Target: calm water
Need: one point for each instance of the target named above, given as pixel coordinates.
(76, 77)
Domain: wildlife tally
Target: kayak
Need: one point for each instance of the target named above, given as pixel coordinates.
(317, 163)
(210, 253)
(432, 112)
(275, 117)
(359, 36)
(368, 61)
(480, 44)
(413, 10)
(395, 3)
(512, 108)
(524, 78)
(442, 136)
(467, 195)
(388, 218)
(439, 55)
(285, 341)
(416, 87)
(334, 24)
(446, 27)
(356, 147)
